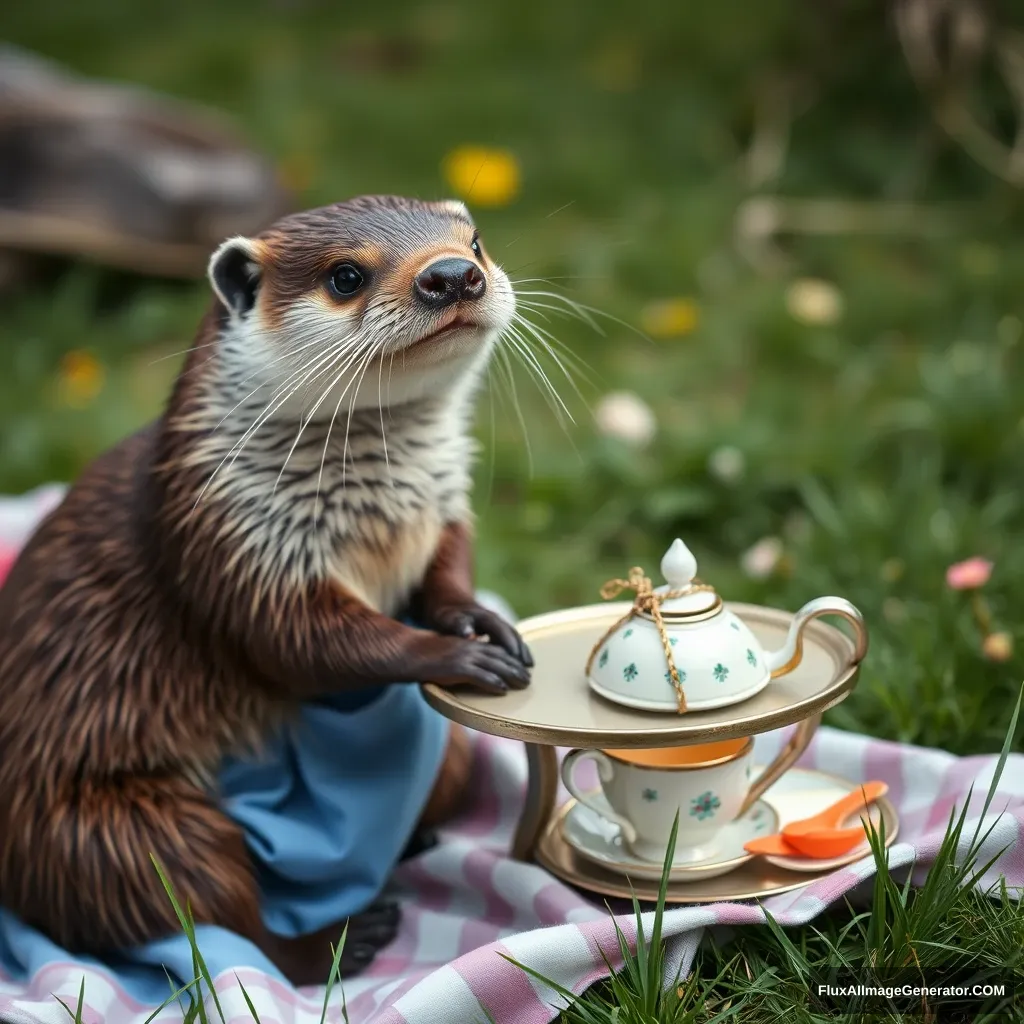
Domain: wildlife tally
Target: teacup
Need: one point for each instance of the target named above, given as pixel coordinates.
(708, 784)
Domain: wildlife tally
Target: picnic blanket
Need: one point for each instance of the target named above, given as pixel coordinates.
(466, 902)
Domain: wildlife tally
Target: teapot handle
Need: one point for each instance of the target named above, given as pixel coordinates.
(787, 657)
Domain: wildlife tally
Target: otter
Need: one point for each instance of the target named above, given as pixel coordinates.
(295, 524)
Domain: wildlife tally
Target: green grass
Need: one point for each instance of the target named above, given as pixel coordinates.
(879, 448)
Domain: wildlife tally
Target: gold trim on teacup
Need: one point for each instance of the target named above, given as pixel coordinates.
(692, 766)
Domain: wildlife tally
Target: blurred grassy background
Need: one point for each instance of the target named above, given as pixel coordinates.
(872, 428)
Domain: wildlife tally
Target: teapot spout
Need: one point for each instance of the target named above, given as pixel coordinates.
(790, 654)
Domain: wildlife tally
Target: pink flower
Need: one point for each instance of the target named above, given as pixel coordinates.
(760, 561)
(969, 575)
(7, 557)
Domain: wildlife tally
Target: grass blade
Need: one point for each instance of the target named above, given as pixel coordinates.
(248, 1001)
(77, 1015)
(188, 926)
(332, 979)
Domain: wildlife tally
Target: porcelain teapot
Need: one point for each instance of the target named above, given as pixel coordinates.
(680, 649)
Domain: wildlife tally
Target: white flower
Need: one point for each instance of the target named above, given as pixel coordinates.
(759, 562)
(727, 464)
(815, 302)
(627, 417)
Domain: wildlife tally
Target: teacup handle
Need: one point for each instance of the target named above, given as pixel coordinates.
(605, 770)
(791, 653)
(788, 756)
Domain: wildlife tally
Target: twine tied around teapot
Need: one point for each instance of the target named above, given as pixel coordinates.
(647, 601)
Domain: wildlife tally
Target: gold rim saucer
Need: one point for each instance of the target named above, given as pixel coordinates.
(753, 880)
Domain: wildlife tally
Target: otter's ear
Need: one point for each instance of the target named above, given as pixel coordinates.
(234, 274)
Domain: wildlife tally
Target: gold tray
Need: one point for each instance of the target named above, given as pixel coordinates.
(558, 708)
(755, 879)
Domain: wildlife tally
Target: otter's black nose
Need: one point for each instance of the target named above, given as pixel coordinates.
(449, 281)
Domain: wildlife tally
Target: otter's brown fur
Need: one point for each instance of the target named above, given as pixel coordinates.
(142, 640)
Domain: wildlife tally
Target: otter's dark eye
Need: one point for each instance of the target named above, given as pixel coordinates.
(475, 246)
(346, 279)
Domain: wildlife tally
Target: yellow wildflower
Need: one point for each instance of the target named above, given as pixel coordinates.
(670, 318)
(485, 177)
(80, 378)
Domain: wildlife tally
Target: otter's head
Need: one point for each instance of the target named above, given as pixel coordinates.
(378, 300)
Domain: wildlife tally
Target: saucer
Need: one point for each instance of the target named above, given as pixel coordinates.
(600, 841)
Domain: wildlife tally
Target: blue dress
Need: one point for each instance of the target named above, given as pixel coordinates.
(326, 813)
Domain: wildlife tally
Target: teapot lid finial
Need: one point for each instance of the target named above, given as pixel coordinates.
(683, 594)
(679, 567)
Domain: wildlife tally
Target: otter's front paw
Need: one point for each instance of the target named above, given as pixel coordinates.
(457, 662)
(473, 620)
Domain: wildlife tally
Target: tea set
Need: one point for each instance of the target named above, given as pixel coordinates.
(658, 698)
(680, 650)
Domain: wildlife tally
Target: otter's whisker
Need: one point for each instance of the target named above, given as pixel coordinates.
(492, 462)
(580, 307)
(323, 458)
(571, 307)
(344, 454)
(380, 406)
(374, 349)
(183, 352)
(550, 340)
(353, 350)
(516, 281)
(288, 352)
(284, 387)
(536, 306)
(268, 411)
(541, 336)
(304, 423)
(520, 344)
(507, 365)
(264, 384)
(391, 368)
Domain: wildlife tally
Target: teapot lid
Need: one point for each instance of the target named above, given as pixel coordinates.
(690, 596)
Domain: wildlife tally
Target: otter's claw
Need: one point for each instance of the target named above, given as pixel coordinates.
(476, 621)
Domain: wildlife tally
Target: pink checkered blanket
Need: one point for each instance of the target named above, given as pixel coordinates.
(466, 902)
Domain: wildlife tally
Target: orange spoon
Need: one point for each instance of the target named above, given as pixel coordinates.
(832, 817)
(817, 836)
(773, 846)
(818, 847)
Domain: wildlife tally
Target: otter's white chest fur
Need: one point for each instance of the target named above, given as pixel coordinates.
(363, 507)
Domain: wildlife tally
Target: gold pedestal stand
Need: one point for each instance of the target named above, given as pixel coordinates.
(559, 709)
